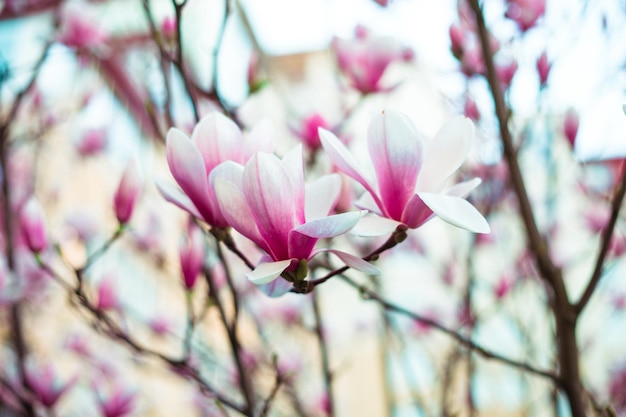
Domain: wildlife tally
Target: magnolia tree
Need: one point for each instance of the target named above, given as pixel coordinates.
(176, 250)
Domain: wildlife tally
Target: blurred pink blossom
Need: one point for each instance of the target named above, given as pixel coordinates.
(570, 126)
(191, 254)
(118, 402)
(525, 12)
(92, 142)
(127, 192)
(307, 131)
(543, 68)
(33, 226)
(470, 109)
(79, 30)
(45, 384)
(107, 298)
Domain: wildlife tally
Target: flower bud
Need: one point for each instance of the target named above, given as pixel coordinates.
(570, 126)
(107, 294)
(192, 256)
(543, 68)
(127, 193)
(33, 225)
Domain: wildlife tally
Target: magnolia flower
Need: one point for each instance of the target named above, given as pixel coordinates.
(411, 175)
(364, 59)
(191, 253)
(46, 385)
(33, 225)
(215, 139)
(570, 126)
(525, 12)
(119, 402)
(307, 130)
(543, 68)
(267, 202)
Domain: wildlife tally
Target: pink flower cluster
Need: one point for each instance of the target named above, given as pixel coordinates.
(230, 182)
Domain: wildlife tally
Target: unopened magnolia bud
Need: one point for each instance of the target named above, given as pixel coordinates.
(192, 256)
(107, 294)
(543, 68)
(33, 225)
(570, 126)
(127, 193)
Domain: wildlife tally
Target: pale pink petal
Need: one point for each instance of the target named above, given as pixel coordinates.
(456, 211)
(218, 139)
(396, 151)
(188, 169)
(321, 196)
(276, 288)
(463, 189)
(331, 226)
(235, 210)
(372, 225)
(268, 191)
(175, 196)
(267, 272)
(353, 261)
(445, 153)
(260, 138)
(231, 172)
(294, 166)
(343, 160)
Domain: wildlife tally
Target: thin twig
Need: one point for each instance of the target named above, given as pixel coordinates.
(321, 340)
(607, 234)
(488, 354)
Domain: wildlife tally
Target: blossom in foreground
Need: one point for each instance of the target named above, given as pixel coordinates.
(411, 174)
(364, 59)
(267, 202)
(215, 139)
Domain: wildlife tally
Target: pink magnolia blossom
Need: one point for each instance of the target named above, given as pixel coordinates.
(33, 225)
(470, 109)
(364, 59)
(168, 27)
(525, 12)
(117, 403)
(570, 126)
(543, 68)
(107, 297)
(267, 202)
(127, 192)
(506, 72)
(193, 162)
(411, 174)
(46, 385)
(92, 142)
(79, 30)
(191, 253)
(307, 131)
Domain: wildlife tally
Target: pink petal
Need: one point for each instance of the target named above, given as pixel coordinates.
(416, 212)
(456, 211)
(343, 160)
(396, 151)
(236, 212)
(267, 272)
(353, 261)
(218, 139)
(175, 196)
(231, 172)
(331, 226)
(321, 196)
(294, 166)
(188, 169)
(268, 192)
(445, 153)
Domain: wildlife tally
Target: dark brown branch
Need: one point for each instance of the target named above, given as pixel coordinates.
(607, 234)
(368, 294)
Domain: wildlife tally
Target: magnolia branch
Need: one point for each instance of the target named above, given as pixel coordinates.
(368, 294)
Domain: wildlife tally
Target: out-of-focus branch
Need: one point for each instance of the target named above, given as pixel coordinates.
(607, 234)
(321, 341)
(563, 310)
(368, 294)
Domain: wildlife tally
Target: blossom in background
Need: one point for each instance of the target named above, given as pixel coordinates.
(543, 68)
(118, 402)
(215, 139)
(127, 193)
(191, 254)
(46, 385)
(92, 142)
(364, 59)
(570, 126)
(79, 30)
(267, 202)
(525, 12)
(411, 174)
(33, 225)
(107, 297)
(307, 130)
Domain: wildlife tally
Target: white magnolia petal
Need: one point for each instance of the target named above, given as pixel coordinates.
(331, 226)
(176, 196)
(456, 211)
(260, 138)
(235, 210)
(366, 202)
(445, 153)
(321, 196)
(463, 189)
(354, 262)
(372, 225)
(267, 272)
(276, 288)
